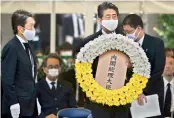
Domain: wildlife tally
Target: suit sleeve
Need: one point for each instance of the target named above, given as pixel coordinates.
(71, 98)
(158, 65)
(8, 67)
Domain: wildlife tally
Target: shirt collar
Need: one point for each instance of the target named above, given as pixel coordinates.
(49, 81)
(141, 40)
(103, 32)
(166, 82)
(21, 40)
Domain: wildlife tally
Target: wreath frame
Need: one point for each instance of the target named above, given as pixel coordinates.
(128, 93)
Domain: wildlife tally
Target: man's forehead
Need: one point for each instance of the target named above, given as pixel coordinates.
(169, 58)
(127, 28)
(109, 11)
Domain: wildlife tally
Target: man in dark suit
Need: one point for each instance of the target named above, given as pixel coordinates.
(19, 69)
(153, 47)
(73, 28)
(167, 89)
(108, 18)
(54, 93)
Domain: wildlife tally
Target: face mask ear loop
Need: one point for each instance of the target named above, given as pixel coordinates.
(138, 35)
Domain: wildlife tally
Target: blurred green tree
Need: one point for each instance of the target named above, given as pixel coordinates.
(165, 29)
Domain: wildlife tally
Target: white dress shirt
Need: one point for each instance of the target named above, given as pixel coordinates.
(75, 25)
(103, 32)
(31, 57)
(49, 83)
(171, 88)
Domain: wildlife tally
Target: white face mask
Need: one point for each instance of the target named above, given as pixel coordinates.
(111, 25)
(29, 34)
(53, 72)
(132, 36)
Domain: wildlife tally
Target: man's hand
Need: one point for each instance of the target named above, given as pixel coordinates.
(141, 99)
(15, 110)
(51, 116)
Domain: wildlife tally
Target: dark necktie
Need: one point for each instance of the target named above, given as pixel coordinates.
(53, 86)
(168, 101)
(27, 48)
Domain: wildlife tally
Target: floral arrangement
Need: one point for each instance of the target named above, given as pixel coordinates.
(100, 45)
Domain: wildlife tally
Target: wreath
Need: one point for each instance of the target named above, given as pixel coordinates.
(100, 45)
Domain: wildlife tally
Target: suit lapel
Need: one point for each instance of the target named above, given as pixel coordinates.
(59, 87)
(34, 60)
(161, 95)
(162, 92)
(99, 33)
(22, 50)
(145, 43)
(47, 88)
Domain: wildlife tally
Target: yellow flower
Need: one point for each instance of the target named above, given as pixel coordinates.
(89, 93)
(116, 103)
(93, 98)
(123, 101)
(129, 99)
(101, 95)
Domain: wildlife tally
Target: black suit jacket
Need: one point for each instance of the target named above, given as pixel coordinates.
(154, 49)
(161, 96)
(160, 88)
(53, 102)
(17, 80)
(70, 77)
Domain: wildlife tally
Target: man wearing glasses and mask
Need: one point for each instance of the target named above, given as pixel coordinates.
(152, 46)
(54, 93)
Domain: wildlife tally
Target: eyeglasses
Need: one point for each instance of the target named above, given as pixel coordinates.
(53, 66)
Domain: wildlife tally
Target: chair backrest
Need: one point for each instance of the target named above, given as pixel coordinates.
(90, 116)
(74, 113)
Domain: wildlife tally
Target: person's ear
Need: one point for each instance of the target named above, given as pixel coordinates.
(20, 29)
(60, 70)
(139, 28)
(99, 20)
(45, 70)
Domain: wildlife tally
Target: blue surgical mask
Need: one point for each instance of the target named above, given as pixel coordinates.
(133, 36)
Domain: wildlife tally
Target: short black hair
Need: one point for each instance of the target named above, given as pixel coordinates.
(167, 50)
(105, 6)
(19, 17)
(133, 20)
(52, 55)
